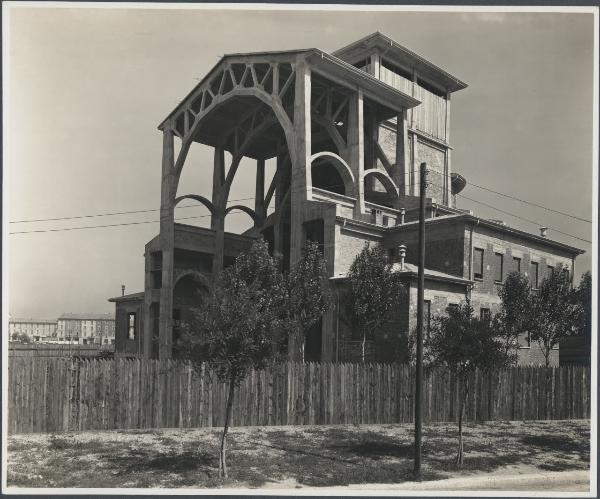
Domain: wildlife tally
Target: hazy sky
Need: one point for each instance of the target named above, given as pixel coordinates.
(88, 88)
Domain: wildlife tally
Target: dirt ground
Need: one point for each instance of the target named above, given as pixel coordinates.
(291, 456)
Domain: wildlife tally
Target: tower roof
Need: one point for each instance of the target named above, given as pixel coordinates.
(400, 55)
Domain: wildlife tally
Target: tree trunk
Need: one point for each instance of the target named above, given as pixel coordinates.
(364, 340)
(459, 455)
(223, 451)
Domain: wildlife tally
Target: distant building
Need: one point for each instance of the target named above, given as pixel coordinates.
(37, 330)
(86, 329)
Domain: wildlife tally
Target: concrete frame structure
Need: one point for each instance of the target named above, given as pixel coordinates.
(348, 132)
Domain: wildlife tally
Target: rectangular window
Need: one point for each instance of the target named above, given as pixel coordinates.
(534, 274)
(131, 325)
(550, 270)
(478, 263)
(498, 264)
(452, 307)
(566, 273)
(485, 315)
(517, 264)
(427, 317)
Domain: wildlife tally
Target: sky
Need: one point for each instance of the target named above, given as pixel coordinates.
(86, 89)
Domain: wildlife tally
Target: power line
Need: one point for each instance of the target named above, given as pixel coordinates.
(252, 198)
(110, 213)
(538, 224)
(532, 204)
(245, 199)
(524, 219)
(521, 200)
(107, 225)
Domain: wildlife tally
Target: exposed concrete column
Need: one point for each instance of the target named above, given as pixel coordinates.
(217, 220)
(259, 198)
(399, 173)
(414, 167)
(167, 244)
(375, 65)
(356, 148)
(371, 137)
(300, 151)
(447, 165)
(279, 193)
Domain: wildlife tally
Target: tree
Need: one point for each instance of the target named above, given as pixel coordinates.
(21, 337)
(307, 295)
(375, 293)
(514, 313)
(462, 344)
(238, 326)
(583, 297)
(555, 312)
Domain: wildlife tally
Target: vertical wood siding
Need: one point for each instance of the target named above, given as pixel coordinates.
(62, 394)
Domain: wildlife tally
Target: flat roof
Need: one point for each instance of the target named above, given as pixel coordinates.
(412, 270)
(469, 218)
(129, 297)
(87, 317)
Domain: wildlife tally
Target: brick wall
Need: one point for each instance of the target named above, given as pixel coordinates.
(444, 246)
(348, 244)
(534, 356)
(434, 157)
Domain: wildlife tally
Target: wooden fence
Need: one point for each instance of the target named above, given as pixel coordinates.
(47, 395)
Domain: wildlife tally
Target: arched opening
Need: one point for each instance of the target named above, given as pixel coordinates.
(383, 191)
(325, 176)
(189, 293)
(331, 173)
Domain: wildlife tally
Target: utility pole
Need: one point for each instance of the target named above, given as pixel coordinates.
(420, 303)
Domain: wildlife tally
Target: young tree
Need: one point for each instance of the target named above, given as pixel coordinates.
(555, 312)
(462, 344)
(307, 295)
(375, 293)
(583, 297)
(515, 309)
(237, 327)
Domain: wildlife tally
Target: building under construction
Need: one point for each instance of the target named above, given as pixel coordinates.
(348, 132)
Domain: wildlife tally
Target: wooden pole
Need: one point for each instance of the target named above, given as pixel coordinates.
(420, 307)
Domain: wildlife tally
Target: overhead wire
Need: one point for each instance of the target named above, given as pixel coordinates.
(252, 198)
